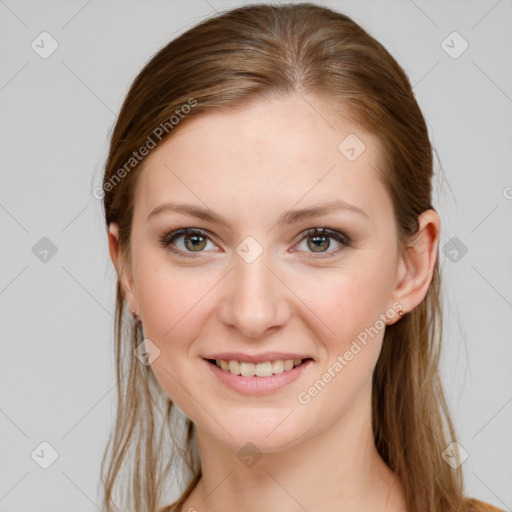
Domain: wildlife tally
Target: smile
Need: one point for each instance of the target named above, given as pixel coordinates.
(263, 369)
(257, 378)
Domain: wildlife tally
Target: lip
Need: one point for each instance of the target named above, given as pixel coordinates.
(256, 358)
(258, 385)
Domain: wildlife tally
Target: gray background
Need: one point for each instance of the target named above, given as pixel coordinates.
(56, 316)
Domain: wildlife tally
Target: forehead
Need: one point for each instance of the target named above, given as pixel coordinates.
(266, 156)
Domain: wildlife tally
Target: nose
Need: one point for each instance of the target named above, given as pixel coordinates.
(254, 299)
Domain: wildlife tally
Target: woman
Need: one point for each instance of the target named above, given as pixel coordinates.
(269, 215)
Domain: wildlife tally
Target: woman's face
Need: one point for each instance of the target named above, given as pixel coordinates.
(260, 283)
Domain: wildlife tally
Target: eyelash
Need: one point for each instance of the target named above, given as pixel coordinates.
(167, 240)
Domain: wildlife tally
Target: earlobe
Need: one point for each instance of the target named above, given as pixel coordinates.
(417, 265)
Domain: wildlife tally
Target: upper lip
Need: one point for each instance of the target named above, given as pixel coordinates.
(256, 358)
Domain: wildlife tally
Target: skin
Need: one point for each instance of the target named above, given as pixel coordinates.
(251, 165)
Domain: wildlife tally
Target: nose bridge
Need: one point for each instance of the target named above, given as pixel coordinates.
(254, 299)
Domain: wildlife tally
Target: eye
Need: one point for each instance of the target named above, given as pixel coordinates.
(186, 240)
(318, 241)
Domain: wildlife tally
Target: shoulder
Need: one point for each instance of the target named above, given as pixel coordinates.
(474, 505)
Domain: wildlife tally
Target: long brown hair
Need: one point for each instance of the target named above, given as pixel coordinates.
(263, 51)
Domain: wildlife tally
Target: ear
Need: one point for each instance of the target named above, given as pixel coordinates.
(416, 266)
(122, 267)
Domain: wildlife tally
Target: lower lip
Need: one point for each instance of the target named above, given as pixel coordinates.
(257, 385)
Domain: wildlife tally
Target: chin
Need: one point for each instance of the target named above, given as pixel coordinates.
(275, 432)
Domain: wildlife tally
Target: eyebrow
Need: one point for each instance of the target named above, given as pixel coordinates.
(289, 217)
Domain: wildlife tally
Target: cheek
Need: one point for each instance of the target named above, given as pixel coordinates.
(353, 308)
(171, 299)
(172, 305)
(350, 311)
(346, 302)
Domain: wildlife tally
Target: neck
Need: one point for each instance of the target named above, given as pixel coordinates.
(337, 468)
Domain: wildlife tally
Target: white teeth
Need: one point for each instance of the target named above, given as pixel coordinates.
(265, 369)
(247, 369)
(278, 366)
(234, 367)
